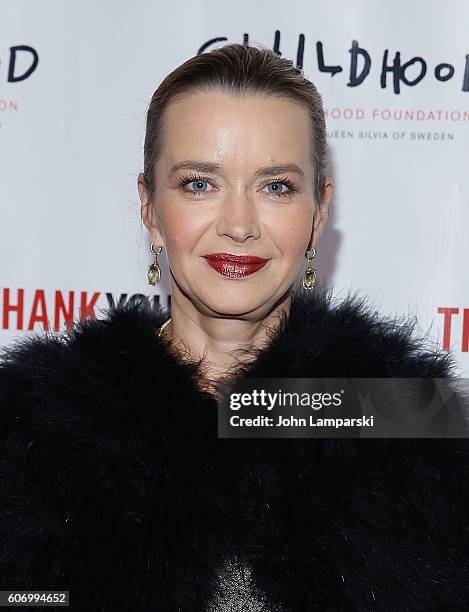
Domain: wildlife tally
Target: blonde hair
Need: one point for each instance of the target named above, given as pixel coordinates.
(239, 70)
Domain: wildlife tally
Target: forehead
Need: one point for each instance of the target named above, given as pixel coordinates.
(247, 130)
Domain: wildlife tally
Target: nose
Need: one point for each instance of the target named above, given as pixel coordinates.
(238, 218)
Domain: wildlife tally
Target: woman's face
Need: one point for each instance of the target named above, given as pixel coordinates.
(219, 189)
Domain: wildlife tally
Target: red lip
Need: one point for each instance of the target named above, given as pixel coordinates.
(235, 266)
(241, 259)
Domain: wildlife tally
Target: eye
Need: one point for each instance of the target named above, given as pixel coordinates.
(277, 185)
(199, 183)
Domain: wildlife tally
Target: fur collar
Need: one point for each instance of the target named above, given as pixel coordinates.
(322, 336)
(115, 486)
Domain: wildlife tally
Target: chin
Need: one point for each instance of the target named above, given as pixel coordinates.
(233, 303)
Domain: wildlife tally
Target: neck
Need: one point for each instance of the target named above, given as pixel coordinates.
(220, 342)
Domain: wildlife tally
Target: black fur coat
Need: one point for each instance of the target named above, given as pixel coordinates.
(115, 486)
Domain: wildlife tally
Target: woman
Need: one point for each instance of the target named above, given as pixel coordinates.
(114, 482)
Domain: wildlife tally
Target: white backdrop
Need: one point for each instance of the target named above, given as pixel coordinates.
(71, 142)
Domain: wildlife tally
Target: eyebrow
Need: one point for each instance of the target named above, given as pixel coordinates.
(213, 168)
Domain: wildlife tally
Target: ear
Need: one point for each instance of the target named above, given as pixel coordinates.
(322, 212)
(147, 212)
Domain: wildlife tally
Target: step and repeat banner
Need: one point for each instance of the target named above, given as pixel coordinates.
(75, 82)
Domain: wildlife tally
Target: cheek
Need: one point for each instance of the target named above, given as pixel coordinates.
(292, 232)
(182, 226)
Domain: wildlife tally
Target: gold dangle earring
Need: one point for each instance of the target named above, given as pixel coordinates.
(154, 271)
(309, 278)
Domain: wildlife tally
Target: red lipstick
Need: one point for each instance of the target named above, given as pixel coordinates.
(235, 266)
